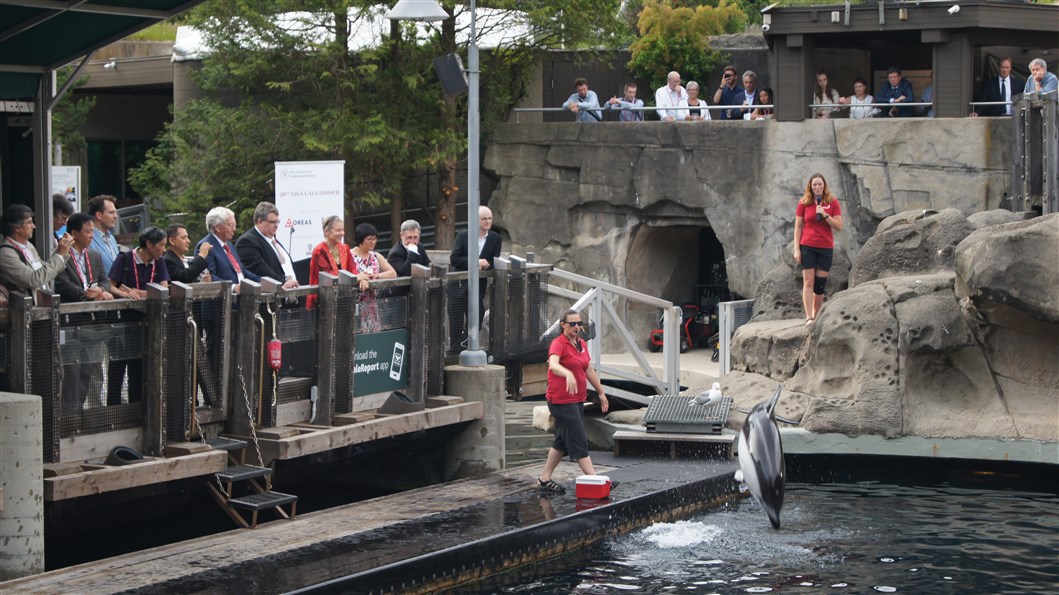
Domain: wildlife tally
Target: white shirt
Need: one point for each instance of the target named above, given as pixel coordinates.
(666, 98)
(857, 113)
(281, 255)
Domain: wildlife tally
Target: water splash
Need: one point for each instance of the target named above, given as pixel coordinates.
(681, 534)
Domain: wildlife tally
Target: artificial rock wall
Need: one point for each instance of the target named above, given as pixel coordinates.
(621, 202)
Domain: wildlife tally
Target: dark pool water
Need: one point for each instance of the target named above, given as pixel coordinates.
(851, 538)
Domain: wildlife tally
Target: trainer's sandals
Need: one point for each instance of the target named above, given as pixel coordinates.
(614, 485)
(809, 321)
(550, 486)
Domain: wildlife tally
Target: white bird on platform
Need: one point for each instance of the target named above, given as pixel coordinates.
(707, 398)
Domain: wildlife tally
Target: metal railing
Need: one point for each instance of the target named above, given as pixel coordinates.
(731, 316)
(1035, 152)
(192, 361)
(521, 110)
(597, 300)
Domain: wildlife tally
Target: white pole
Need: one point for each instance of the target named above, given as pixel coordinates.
(472, 356)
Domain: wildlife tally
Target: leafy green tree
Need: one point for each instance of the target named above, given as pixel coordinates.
(285, 86)
(679, 39)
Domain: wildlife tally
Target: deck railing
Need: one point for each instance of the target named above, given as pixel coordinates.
(193, 361)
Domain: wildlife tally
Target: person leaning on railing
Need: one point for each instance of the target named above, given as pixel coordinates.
(583, 103)
(179, 269)
(83, 279)
(1041, 81)
(998, 88)
(21, 269)
(859, 102)
(898, 90)
(823, 93)
(694, 107)
(627, 106)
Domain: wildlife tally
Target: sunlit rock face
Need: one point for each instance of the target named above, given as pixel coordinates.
(624, 202)
(966, 345)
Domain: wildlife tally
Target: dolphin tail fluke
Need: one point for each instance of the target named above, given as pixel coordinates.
(771, 407)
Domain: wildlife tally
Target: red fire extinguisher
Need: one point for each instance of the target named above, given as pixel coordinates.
(275, 354)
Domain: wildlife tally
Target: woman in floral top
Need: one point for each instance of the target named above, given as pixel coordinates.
(369, 265)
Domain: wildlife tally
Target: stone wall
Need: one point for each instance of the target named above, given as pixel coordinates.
(600, 199)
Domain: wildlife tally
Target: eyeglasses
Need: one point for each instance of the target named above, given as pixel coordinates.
(272, 221)
(573, 323)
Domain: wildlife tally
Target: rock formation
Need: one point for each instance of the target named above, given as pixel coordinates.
(945, 331)
(624, 202)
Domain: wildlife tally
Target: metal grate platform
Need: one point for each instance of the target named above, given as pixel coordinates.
(672, 414)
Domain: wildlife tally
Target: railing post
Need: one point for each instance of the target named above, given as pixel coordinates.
(43, 381)
(154, 364)
(243, 344)
(20, 341)
(416, 360)
(326, 352)
(499, 310)
(671, 349)
(437, 314)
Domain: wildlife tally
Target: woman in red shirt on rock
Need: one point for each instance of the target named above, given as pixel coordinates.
(817, 217)
(569, 372)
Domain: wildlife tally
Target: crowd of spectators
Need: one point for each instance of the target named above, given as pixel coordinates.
(739, 98)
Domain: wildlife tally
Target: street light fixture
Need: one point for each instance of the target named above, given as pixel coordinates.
(430, 10)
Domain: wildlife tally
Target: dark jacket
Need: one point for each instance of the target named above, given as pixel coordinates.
(177, 270)
(886, 93)
(258, 257)
(402, 260)
(220, 267)
(68, 282)
(458, 259)
(991, 92)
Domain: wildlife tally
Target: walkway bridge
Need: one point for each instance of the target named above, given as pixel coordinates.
(179, 375)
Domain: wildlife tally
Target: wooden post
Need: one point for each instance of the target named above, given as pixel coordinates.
(416, 360)
(326, 352)
(500, 309)
(154, 362)
(244, 377)
(20, 334)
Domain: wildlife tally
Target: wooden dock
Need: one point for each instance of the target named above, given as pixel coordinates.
(379, 539)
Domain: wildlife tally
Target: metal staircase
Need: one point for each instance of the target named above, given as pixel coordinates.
(259, 497)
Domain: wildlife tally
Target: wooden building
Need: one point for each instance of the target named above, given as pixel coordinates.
(954, 43)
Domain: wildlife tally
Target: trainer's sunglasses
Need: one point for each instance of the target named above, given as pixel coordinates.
(573, 323)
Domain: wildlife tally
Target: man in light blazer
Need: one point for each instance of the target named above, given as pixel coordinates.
(261, 252)
(489, 243)
(222, 261)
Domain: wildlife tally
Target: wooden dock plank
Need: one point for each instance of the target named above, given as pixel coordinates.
(140, 570)
(366, 431)
(152, 471)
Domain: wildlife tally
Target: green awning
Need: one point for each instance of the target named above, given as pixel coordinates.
(39, 35)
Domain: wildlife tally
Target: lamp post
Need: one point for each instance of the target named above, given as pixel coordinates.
(430, 10)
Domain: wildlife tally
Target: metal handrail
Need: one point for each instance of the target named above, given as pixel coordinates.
(597, 298)
(645, 108)
(901, 104)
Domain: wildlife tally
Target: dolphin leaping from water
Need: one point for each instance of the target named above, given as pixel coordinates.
(761, 464)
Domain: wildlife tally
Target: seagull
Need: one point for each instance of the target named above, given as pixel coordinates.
(707, 398)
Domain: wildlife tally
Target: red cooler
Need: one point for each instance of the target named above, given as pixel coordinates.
(593, 486)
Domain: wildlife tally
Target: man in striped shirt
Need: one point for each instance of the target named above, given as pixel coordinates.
(628, 101)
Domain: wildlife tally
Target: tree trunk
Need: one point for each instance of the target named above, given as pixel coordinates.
(445, 211)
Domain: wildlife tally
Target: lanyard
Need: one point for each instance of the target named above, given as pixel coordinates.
(88, 264)
(25, 255)
(136, 272)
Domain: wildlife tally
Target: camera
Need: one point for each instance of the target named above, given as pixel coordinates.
(765, 27)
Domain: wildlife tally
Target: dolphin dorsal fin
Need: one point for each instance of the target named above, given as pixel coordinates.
(771, 407)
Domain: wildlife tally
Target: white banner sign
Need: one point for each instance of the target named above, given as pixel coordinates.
(306, 193)
(66, 179)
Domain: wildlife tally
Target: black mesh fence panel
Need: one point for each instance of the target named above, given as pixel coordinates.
(178, 381)
(209, 316)
(102, 379)
(346, 306)
(530, 294)
(435, 337)
(297, 334)
(43, 381)
(5, 360)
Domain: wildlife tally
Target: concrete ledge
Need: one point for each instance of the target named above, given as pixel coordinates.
(312, 442)
(799, 441)
(151, 471)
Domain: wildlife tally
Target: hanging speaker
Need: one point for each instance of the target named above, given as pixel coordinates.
(449, 69)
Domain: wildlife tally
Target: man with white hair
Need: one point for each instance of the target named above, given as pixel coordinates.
(669, 97)
(407, 252)
(1041, 81)
(222, 260)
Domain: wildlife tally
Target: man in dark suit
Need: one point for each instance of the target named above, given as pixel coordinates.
(179, 270)
(488, 249)
(222, 260)
(261, 252)
(999, 88)
(83, 280)
(407, 252)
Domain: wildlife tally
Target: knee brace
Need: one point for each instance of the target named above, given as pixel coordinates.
(819, 284)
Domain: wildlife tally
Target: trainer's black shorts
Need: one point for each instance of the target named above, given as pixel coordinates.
(570, 436)
(816, 258)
